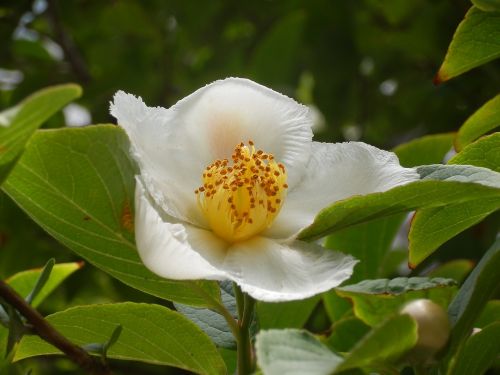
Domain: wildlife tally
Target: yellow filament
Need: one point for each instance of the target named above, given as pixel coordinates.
(242, 199)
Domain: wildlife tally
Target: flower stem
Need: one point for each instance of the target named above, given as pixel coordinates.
(246, 306)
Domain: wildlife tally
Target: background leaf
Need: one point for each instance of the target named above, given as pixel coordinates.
(476, 41)
(430, 149)
(151, 333)
(17, 124)
(374, 300)
(52, 184)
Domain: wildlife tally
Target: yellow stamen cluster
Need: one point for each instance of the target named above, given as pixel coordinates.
(242, 199)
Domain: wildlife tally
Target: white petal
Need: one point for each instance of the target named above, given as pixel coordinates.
(215, 118)
(175, 250)
(174, 146)
(150, 132)
(271, 271)
(337, 171)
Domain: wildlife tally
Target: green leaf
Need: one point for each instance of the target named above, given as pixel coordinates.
(211, 322)
(24, 282)
(479, 352)
(293, 352)
(293, 314)
(456, 269)
(429, 149)
(440, 185)
(374, 300)
(78, 184)
(490, 314)
(432, 227)
(481, 122)
(150, 333)
(41, 281)
(487, 5)
(17, 124)
(368, 242)
(384, 344)
(485, 152)
(476, 41)
(346, 333)
(470, 300)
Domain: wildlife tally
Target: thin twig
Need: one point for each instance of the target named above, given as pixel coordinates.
(68, 46)
(48, 333)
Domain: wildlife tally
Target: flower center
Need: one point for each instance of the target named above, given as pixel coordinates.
(242, 199)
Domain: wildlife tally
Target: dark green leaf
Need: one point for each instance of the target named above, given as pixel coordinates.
(476, 41)
(376, 299)
(479, 352)
(78, 184)
(490, 314)
(293, 314)
(368, 242)
(383, 344)
(473, 296)
(17, 124)
(346, 333)
(150, 333)
(440, 185)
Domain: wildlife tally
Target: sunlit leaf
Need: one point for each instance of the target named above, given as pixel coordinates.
(150, 333)
(481, 122)
(17, 124)
(487, 5)
(440, 185)
(23, 282)
(476, 41)
(78, 184)
(374, 300)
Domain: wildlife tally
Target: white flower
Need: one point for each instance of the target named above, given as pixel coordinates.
(199, 214)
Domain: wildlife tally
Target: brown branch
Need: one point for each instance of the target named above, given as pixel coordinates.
(48, 333)
(68, 46)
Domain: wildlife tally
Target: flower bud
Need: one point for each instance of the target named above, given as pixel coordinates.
(433, 328)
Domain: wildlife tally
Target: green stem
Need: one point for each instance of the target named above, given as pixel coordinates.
(246, 305)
